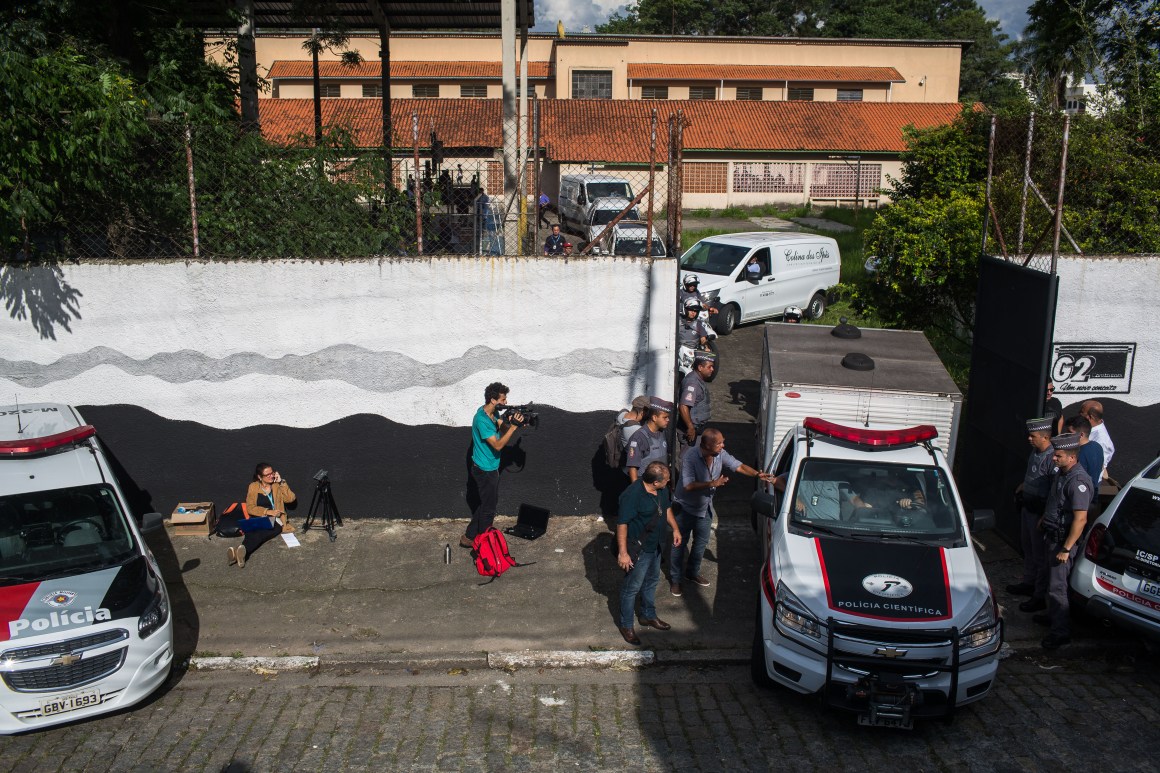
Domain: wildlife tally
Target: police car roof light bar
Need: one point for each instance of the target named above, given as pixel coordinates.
(48, 442)
(875, 438)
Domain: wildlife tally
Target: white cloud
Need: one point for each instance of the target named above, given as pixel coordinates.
(576, 14)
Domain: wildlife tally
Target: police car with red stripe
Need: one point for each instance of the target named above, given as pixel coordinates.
(85, 622)
(871, 592)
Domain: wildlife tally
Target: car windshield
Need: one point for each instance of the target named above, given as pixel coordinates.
(1133, 536)
(600, 190)
(634, 246)
(605, 216)
(862, 499)
(47, 534)
(707, 257)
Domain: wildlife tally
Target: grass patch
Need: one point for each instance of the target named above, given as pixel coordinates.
(744, 213)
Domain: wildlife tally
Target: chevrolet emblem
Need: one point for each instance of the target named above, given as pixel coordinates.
(890, 652)
(66, 660)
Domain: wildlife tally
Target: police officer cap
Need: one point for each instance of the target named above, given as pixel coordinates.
(703, 356)
(660, 405)
(691, 279)
(1068, 441)
(1039, 425)
(640, 402)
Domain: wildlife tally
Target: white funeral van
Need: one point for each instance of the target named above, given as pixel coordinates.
(749, 276)
(85, 625)
(579, 191)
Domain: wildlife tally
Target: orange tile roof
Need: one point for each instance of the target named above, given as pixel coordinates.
(763, 72)
(577, 130)
(283, 68)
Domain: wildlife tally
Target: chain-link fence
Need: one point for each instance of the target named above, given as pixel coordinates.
(1106, 180)
(218, 191)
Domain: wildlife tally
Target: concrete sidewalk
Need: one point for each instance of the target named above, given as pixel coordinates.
(382, 594)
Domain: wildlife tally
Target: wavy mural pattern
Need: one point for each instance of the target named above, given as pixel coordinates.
(362, 368)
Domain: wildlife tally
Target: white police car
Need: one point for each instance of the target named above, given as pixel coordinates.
(871, 593)
(85, 626)
(1117, 577)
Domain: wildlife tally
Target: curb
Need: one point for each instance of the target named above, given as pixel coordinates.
(571, 659)
(258, 665)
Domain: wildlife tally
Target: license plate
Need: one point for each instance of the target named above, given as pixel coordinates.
(881, 721)
(71, 702)
(1150, 588)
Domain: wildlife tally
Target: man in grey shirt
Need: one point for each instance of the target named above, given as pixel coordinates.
(702, 473)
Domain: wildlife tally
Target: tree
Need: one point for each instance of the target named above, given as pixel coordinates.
(1060, 43)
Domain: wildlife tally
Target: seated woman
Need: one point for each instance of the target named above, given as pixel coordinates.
(266, 499)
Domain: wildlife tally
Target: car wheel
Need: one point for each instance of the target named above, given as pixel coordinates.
(726, 319)
(757, 655)
(817, 306)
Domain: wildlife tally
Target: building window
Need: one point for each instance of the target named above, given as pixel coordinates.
(473, 90)
(750, 93)
(654, 92)
(425, 90)
(330, 90)
(801, 95)
(840, 181)
(702, 92)
(592, 84)
(372, 89)
(849, 95)
(705, 177)
(768, 178)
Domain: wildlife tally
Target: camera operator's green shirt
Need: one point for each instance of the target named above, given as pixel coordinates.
(483, 455)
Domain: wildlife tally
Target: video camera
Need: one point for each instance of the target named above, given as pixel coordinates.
(530, 417)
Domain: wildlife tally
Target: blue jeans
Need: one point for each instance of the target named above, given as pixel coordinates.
(640, 580)
(700, 528)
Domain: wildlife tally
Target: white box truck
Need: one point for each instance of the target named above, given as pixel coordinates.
(853, 376)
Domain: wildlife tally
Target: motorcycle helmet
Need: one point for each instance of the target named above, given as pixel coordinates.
(791, 314)
(692, 304)
(691, 280)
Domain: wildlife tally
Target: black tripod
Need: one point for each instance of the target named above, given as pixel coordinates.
(323, 501)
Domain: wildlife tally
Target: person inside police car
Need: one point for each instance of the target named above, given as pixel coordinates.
(1031, 498)
(1064, 519)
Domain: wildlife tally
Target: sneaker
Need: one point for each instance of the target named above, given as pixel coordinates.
(699, 580)
(1021, 589)
(1033, 605)
(1053, 641)
(241, 555)
(675, 588)
(231, 557)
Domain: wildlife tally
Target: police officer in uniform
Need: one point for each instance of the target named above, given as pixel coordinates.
(695, 405)
(1031, 496)
(1064, 519)
(649, 444)
(692, 331)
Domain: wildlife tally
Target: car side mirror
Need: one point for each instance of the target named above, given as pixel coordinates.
(764, 503)
(982, 520)
(151, 522)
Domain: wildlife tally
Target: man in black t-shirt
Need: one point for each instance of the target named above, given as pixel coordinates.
(1053, 409)
(554, 244)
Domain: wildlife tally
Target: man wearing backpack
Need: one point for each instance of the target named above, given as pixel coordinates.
(489, 435)
(644, 512)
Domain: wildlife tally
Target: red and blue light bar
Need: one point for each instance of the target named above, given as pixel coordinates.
(874, 438)
(48, 442)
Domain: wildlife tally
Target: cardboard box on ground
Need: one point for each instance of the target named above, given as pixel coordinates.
(192, 519)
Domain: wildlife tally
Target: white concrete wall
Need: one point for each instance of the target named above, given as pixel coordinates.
(304, 343)
(1108, 303)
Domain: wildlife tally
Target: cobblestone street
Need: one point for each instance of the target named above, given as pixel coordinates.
(1042, 715)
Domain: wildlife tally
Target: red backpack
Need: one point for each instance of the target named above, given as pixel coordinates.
(490, 551)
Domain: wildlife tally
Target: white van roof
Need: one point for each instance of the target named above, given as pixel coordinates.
(616, 203)
(593, 178)
(755, 238)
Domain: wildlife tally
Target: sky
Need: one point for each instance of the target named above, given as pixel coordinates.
(578, 14)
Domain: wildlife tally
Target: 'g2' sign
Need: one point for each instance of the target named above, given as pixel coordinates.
(1104, 368)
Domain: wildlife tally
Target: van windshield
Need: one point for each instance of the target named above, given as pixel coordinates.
(605, 216)
(876, 499)
(633, 246)
(47, 534)
(707, 257)
(600, 190)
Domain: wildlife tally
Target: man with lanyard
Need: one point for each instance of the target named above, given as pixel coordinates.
(554, 244)
(644, 511)
(702, 473)
(1064, 520)
(489, 435)
(695, 402)
(1031, 496)
(648, 444)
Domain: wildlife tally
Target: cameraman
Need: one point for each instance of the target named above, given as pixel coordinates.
(489, 435)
